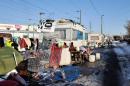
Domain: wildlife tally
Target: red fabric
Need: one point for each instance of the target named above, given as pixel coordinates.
(22, 43)
(55, 55)
(9, 83)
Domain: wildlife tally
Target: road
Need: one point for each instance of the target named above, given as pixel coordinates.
(112, 70)
(117, 69)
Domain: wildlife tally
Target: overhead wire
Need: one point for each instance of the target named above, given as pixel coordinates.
(34, 6)
(96, 10)
(47, 13)
(16, 7)
(23, 13)
(12, 13)
(10, 7)
(26, 7)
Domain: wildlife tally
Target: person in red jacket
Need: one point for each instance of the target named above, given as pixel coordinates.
(22, 43)
(9, 83)
(55, 55)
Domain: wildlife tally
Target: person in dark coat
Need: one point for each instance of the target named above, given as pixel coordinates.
(72, 48)
(15, 45)
(1, 42)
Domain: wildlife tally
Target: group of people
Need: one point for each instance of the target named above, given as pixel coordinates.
(55, 55)
(20, 43)
(56, 51)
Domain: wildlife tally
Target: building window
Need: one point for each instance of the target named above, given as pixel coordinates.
(80, 35)
(86, 36)
(61, 34)
(27, 29)
(75, 35)
(8, 28)
(18, 29)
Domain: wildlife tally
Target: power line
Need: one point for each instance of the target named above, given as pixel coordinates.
(34, 6)
(92, 4)
(16, 7)
(41, 10)
(10, 7)
(27, 6)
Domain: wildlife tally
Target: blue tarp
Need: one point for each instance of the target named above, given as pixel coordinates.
(71, 73)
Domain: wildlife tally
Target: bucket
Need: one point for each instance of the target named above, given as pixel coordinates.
(98, 56)
(92, 58)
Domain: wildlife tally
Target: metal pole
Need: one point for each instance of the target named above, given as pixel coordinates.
(40, 22)
(80, 17)
(90, 26)
(101, 24)
(40, 16)
(71, 34)
(28, 30)
(33, 30)
(29, 26)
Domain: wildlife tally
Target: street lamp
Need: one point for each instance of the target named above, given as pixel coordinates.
(101, 24)
(40, 14)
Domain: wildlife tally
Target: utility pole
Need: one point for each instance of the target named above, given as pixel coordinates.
(90, 26)
(33, 29)
(29, 25)
(40, 23)
(80, 16)
(40, 15)
(101, 24)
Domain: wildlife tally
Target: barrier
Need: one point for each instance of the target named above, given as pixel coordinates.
(98, 56)
(92, 58)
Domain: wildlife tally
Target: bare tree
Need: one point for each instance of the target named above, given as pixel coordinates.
(128, 27)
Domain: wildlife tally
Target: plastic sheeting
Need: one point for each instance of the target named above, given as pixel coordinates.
(65, 57)
(71, 72)
(55, 55)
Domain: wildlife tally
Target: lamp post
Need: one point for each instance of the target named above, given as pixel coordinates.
(102, 24)
(40, 15)
(90, 26)
(33, 29)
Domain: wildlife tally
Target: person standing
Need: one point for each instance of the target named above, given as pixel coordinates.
(55, 56)
(1, 42)
(36, 44)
